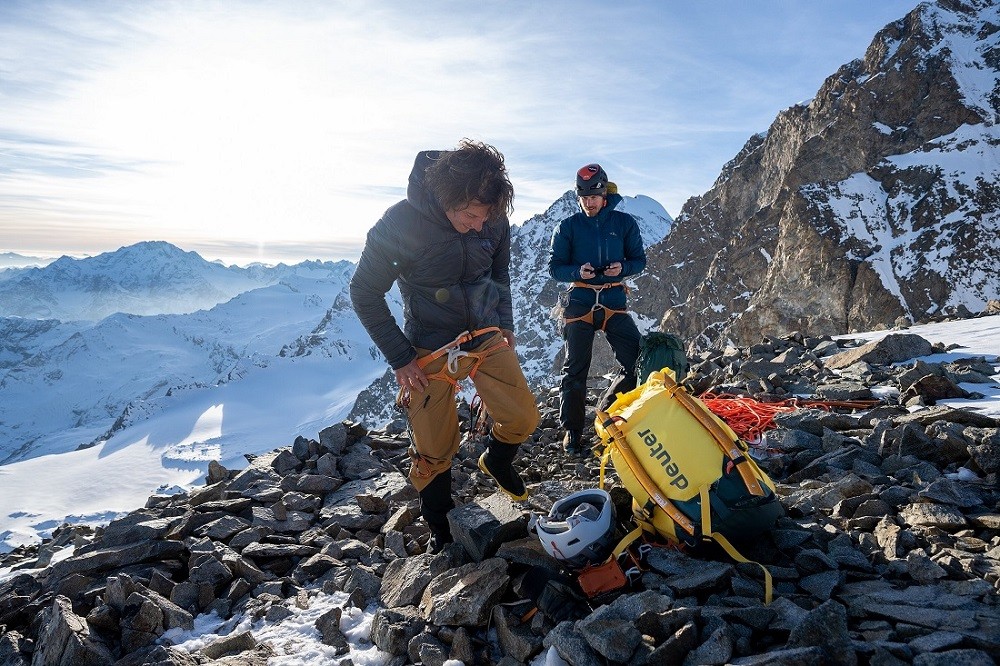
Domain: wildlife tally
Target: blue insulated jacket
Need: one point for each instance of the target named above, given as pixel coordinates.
(450, 282)
(610, 236)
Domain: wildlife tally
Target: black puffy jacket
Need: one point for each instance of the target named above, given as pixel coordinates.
(450, 282)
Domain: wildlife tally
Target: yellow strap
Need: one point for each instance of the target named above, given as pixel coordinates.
(706, 510)
(735, 554)
(605, 457)
(627, 541)
(729, 447)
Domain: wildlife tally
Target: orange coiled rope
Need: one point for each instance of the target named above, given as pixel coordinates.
(750, 418)
(747, 417)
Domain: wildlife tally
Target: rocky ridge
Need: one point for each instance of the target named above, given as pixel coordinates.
(876, 199)
(889, 554)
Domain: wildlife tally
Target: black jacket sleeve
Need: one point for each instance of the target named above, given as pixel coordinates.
(379, 266)
(501, 276)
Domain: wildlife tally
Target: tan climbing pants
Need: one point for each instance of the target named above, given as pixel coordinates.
(434, 417)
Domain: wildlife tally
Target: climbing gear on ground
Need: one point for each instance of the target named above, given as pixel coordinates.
(691, 478)
(599, 580)
(480, 422)
(455, 352)
(750, 418)
(580, 528)
(554, 594)
(589, 316)
(591, 180)
(661, 350)
(497, 463)
(572, 442)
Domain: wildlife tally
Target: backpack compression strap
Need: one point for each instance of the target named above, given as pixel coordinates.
(621, 445)
(730, 448)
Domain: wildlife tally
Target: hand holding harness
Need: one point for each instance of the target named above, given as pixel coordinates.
(454, 352)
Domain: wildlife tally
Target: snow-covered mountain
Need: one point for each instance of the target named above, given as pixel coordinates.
(66, 385)
(153, 277)
(876, 199)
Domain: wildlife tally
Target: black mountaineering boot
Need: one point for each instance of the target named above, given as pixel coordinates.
(572, 443)
(497, 462)
(435, 503)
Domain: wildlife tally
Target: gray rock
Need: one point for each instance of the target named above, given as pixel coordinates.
(571, 646)
(927, 514)
(364, 581)
(807, 656)
(359, 463)
(825, 627)
(922, 569)
(229, 645)
(405, 579)
(426, 649)
(893, 348)
(968, 657)
(328, 626)
(392, 629)
(465, 596)
(610, 634)
(516, 639)
(65, 638)
(481, 527)
(717, 649)
(675, 648)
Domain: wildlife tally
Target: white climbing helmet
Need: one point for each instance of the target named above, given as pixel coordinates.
(579, 529)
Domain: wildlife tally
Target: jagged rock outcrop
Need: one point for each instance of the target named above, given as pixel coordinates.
(889, 554)
(876, 199)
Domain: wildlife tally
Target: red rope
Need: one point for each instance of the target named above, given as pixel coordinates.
(750, 418)
(747, 417)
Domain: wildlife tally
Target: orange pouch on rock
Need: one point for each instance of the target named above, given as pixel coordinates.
(602, 578)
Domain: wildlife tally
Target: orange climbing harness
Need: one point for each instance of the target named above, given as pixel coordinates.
(750, 418)
(454, 352)
(608, 312)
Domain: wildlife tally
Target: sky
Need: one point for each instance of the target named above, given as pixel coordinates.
(131, 466)
(273, 131)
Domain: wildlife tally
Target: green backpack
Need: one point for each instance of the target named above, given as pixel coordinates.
(661, 350)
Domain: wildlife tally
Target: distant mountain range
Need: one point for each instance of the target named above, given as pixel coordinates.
(12, 260)
(98, 375)
(148, 278)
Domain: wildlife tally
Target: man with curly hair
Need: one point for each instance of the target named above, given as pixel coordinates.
(447, 245)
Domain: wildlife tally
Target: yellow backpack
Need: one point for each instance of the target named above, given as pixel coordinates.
(690, 476)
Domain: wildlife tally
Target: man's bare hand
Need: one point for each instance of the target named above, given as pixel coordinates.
(614, 269)
(587, 271)
(509, 337)
(411, 377)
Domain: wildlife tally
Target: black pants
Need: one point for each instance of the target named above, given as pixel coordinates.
(624, 338)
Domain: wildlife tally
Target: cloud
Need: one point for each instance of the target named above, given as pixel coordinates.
(276, 123)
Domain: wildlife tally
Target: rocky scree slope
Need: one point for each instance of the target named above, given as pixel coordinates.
(889, 553)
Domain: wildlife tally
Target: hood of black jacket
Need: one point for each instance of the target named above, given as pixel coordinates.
(417, 194)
